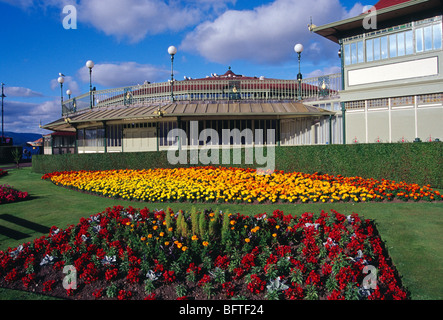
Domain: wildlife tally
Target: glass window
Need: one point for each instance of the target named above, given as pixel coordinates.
(369, 50)
(347, 54)
(361, 56)
(428, 38)
(437, 35)
(419, 46)
(384, 47)
(353, 53)
(401, 44)
(377, 49)
(409, 41)
(393, 45)
(80, 137)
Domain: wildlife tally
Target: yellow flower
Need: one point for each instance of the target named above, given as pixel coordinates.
(155, 227)
(170, 229)
(247, 240)
(162, 234)
(274, 235)
(205, 243)
(194, 237)
(128, 223)
(184, 248)
(143, 238)
(167, 243)
(277, 227)
(149, 236)
(179, 245)
(233, 222)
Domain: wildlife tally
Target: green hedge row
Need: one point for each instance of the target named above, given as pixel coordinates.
(419, 163)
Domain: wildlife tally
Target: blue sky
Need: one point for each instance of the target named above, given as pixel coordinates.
(128, 41)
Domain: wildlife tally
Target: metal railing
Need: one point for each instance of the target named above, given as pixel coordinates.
(210, 89)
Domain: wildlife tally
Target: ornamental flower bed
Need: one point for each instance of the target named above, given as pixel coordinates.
(8, 194)
(210, 184)
(126, 253)
(3, 173)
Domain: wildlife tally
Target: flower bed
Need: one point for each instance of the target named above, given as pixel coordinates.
(126, 253)
(3, 173)
(209, 184)
(9, 194)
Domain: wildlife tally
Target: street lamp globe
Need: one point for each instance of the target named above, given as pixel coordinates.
(61, 80)
(90, 64)
(68, 92)
(172, 50)
(298, 48)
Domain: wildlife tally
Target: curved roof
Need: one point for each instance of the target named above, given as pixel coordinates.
(186, 109)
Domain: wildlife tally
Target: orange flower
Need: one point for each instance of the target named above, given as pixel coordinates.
(247, 240)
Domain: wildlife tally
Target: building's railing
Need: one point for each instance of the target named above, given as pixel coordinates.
(211, 89)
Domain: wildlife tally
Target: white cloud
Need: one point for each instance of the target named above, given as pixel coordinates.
(123, 74)
(26, 117)
(134, 19)
(266, 34)
(324, 71)
(69, 83)
(21, 92)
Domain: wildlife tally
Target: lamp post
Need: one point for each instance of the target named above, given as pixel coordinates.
(90, 65)
(69, 92)
(61, 80)
(3, 130)
(172, 51)
(298, 48)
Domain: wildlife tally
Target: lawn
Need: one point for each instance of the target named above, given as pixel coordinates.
(411, 231)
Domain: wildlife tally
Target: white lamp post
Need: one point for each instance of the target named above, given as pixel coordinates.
(172, 51)
(298, 48)
(69, 92)
(90, 65)
(61, 80)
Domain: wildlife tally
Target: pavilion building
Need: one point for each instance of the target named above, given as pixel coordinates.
(139, 118)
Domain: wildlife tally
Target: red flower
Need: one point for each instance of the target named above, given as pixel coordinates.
(97, 293)
(229, 289)
(124, 295)
(133, 275)
(295, 293)
(222, 262)
(48, 285)
(111, 274)
(150, 297)
(169, 276)
(256, 285)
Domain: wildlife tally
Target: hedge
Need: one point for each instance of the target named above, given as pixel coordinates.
(419, 163)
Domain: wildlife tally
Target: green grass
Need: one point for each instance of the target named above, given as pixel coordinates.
(411, 231)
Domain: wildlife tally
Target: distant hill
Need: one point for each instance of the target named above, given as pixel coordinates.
(20, 139)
